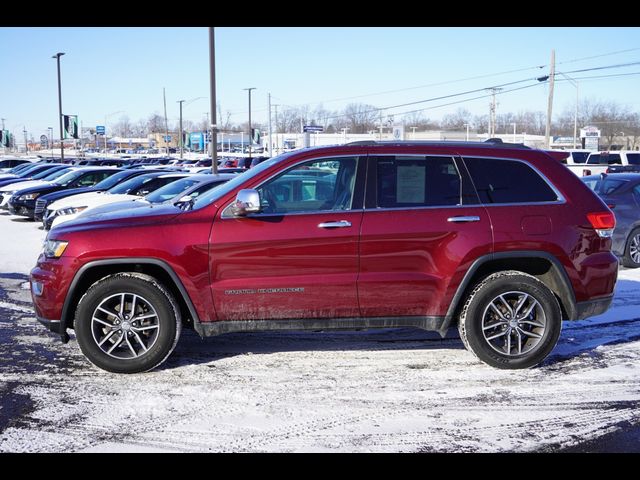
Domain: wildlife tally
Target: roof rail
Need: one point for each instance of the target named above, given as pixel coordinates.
(497, 142)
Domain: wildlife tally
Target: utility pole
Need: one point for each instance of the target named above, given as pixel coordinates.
(250, 132)
(277, 148)
(552, 74)
(57, 57)
(492, 112)
(181, 142)
(212, 97)
(270, 131)
(26, 143)
(166, 125)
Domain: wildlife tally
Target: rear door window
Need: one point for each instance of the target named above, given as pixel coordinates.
(416, 181)
(500, 180)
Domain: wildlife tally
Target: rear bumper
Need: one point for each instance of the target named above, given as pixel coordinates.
(592, 308)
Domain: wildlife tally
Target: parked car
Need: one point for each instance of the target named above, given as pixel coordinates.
(43, 178)
(8, 163)
(180, 192)
(23, 202)
(500, 240)
(621, 193)
(600, 162)
(27, 171)
(117, 178)
(30, 176)
(68, 209)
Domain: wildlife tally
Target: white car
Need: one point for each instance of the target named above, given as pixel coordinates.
(69, 208)
(8, 190)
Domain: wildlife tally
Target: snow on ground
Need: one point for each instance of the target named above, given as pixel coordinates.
(392, 390)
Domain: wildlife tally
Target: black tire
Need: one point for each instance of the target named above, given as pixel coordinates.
(488, 330)
(631, 257)
(127, 323)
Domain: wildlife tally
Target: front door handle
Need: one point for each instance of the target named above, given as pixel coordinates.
(471, 218)
(338, 224)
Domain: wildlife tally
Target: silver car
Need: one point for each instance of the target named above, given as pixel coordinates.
(621, 192)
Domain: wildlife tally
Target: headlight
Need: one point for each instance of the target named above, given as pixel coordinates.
(28, 196)
(54, 248)
(70, 210)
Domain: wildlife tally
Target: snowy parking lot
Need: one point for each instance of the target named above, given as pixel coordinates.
(392, 390)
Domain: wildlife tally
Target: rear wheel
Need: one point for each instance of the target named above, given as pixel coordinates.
(631, 257)
(127, 323)
(510, 320)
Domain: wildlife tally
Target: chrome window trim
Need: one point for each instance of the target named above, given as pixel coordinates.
(561, 199)
(226, 215)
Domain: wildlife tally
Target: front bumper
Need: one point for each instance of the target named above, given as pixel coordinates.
(22, 208)
(55, 326)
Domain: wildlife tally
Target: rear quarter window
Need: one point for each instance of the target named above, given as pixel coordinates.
(508, 181)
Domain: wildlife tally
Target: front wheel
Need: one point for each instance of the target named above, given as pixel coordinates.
(127, 323)
(510, 320)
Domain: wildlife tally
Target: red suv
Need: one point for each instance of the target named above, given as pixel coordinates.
(501, 240)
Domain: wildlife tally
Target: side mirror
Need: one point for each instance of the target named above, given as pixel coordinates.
(247, 201)
(185, 203)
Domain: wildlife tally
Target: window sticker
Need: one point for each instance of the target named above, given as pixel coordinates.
(410, 186)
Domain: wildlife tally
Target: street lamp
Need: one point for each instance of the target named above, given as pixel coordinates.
(514, 132)
(26, 144)
(181, 132)
(105, 127)
(467, 126)
(57, 57)
(250, 135)
(575, 115)
(50, 138)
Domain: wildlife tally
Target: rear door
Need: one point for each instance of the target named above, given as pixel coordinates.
(298, 258)
(422, 228)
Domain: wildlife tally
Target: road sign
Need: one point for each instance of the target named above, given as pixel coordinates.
(100, 129)
(167, 138)
(44, 141)
(312, 128)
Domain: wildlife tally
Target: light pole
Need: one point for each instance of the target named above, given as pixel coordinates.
(50, 138)
(575, 114)
(514, 132)
(57, 57)
(105, 127)
(180, 139)
(413, 132)
(250, 135)
(467, 126)
(26, 144)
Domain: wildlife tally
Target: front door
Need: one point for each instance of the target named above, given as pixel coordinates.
(298, 257)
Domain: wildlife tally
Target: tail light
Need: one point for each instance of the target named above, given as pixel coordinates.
(603, 223)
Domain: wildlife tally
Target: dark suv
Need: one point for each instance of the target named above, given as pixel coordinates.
(501, 240)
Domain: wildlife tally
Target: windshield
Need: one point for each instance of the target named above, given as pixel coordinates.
(171, 190)
(126, 187)
(111, 181)
(67, 178)
(605, 186)
(212, 195)
(48, 176)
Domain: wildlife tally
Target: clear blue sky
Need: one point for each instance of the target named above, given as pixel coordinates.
(107, 70)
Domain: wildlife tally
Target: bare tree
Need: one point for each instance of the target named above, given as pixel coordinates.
(361, 118)
(155, 124)
(457, 120)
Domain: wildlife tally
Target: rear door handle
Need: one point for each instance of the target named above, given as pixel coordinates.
(471, 218)
(338, 224)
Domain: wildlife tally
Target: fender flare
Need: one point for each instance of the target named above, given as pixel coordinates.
(122, 261)
(566, 293)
